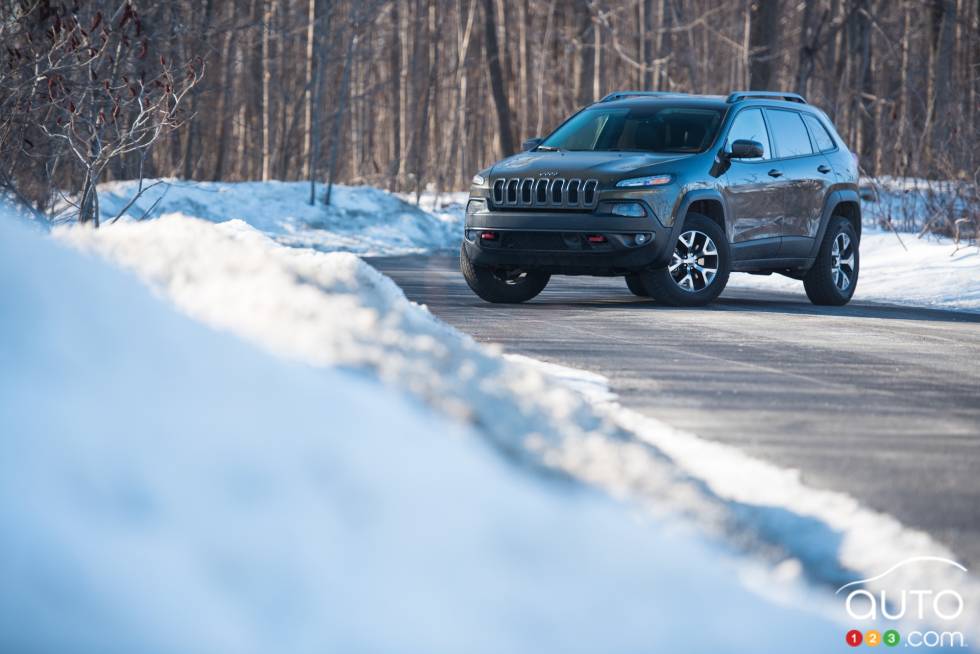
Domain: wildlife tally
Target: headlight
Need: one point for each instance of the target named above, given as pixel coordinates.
(479, 180)
(474, 206)
(653, 180)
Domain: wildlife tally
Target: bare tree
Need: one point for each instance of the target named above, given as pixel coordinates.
(99, 91)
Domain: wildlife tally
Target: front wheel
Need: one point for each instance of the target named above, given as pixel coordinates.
(699, 266)
(833, 277)
(503, 285)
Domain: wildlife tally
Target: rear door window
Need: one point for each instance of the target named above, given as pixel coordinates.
(820, 136)
(749, 125)
(789, 133)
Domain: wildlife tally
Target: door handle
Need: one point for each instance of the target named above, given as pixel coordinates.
(775, 173)
(823, 169)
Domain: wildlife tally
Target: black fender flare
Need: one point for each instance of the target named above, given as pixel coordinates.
(681, 205)
(696, 195)
(834, 199)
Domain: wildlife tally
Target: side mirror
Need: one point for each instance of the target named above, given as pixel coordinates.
(530, 144)
(745, 149)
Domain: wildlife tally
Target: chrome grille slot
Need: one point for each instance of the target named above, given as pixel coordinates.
(498, 191)
(541, 193)
(526, 188)
(589, 192)
(512, 191)
(557, 196)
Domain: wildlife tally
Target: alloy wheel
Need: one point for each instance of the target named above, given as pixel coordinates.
(842, 261)
(694, 264)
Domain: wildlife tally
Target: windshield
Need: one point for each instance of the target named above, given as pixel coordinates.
(641, 129)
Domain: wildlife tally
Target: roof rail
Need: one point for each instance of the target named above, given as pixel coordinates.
(619, 95)
(736, 96)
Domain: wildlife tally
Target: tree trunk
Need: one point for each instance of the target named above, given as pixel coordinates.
(585, 73)
(266, 111)
(647, 29)
(807, 48)
(88, 208)
(310, 91)
(224, 108)
(943, 23)
(504, 126)
(665, 44)
(867, 137)
(338, 118)
(764, 20)
(194, 129)
(395, 65)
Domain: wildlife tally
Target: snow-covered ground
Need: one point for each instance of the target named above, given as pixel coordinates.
(165, 486)
(361, 220)
(902, 269)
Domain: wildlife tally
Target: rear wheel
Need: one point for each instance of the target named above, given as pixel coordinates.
(698, 269)
(635, 285)
(833, 277)
(506, 285)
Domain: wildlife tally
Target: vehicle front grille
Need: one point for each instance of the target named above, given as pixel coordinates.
(541, 193)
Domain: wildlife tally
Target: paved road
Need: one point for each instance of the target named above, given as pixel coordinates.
(878, 401)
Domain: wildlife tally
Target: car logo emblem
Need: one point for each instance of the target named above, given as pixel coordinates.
(548, 173)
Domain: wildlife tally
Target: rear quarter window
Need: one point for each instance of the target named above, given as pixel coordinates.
(789, 134)
(821, 137)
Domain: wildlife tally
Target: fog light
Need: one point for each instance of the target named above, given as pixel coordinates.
(640, 239)
(627, 209)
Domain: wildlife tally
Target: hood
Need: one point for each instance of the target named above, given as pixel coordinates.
(604, 166)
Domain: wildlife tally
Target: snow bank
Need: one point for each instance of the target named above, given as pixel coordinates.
(332, 309)
(932, 272)
(362, 220)
(165, 487)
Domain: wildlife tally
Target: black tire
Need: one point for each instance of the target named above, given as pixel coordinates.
(635, 285)
(832, 279)
(502, 285)
(663, 284)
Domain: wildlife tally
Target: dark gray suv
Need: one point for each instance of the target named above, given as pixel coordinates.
(673, 192)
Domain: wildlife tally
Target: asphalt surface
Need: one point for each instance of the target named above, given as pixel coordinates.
(877, 401)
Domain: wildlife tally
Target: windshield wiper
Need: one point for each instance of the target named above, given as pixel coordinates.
(547, 148)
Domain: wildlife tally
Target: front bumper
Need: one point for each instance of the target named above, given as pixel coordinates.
(559, 242)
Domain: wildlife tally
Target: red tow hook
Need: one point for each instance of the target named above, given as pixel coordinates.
(596, 238)
(488, 236)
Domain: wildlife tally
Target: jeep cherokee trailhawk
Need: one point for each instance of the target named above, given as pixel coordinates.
(673, 192)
